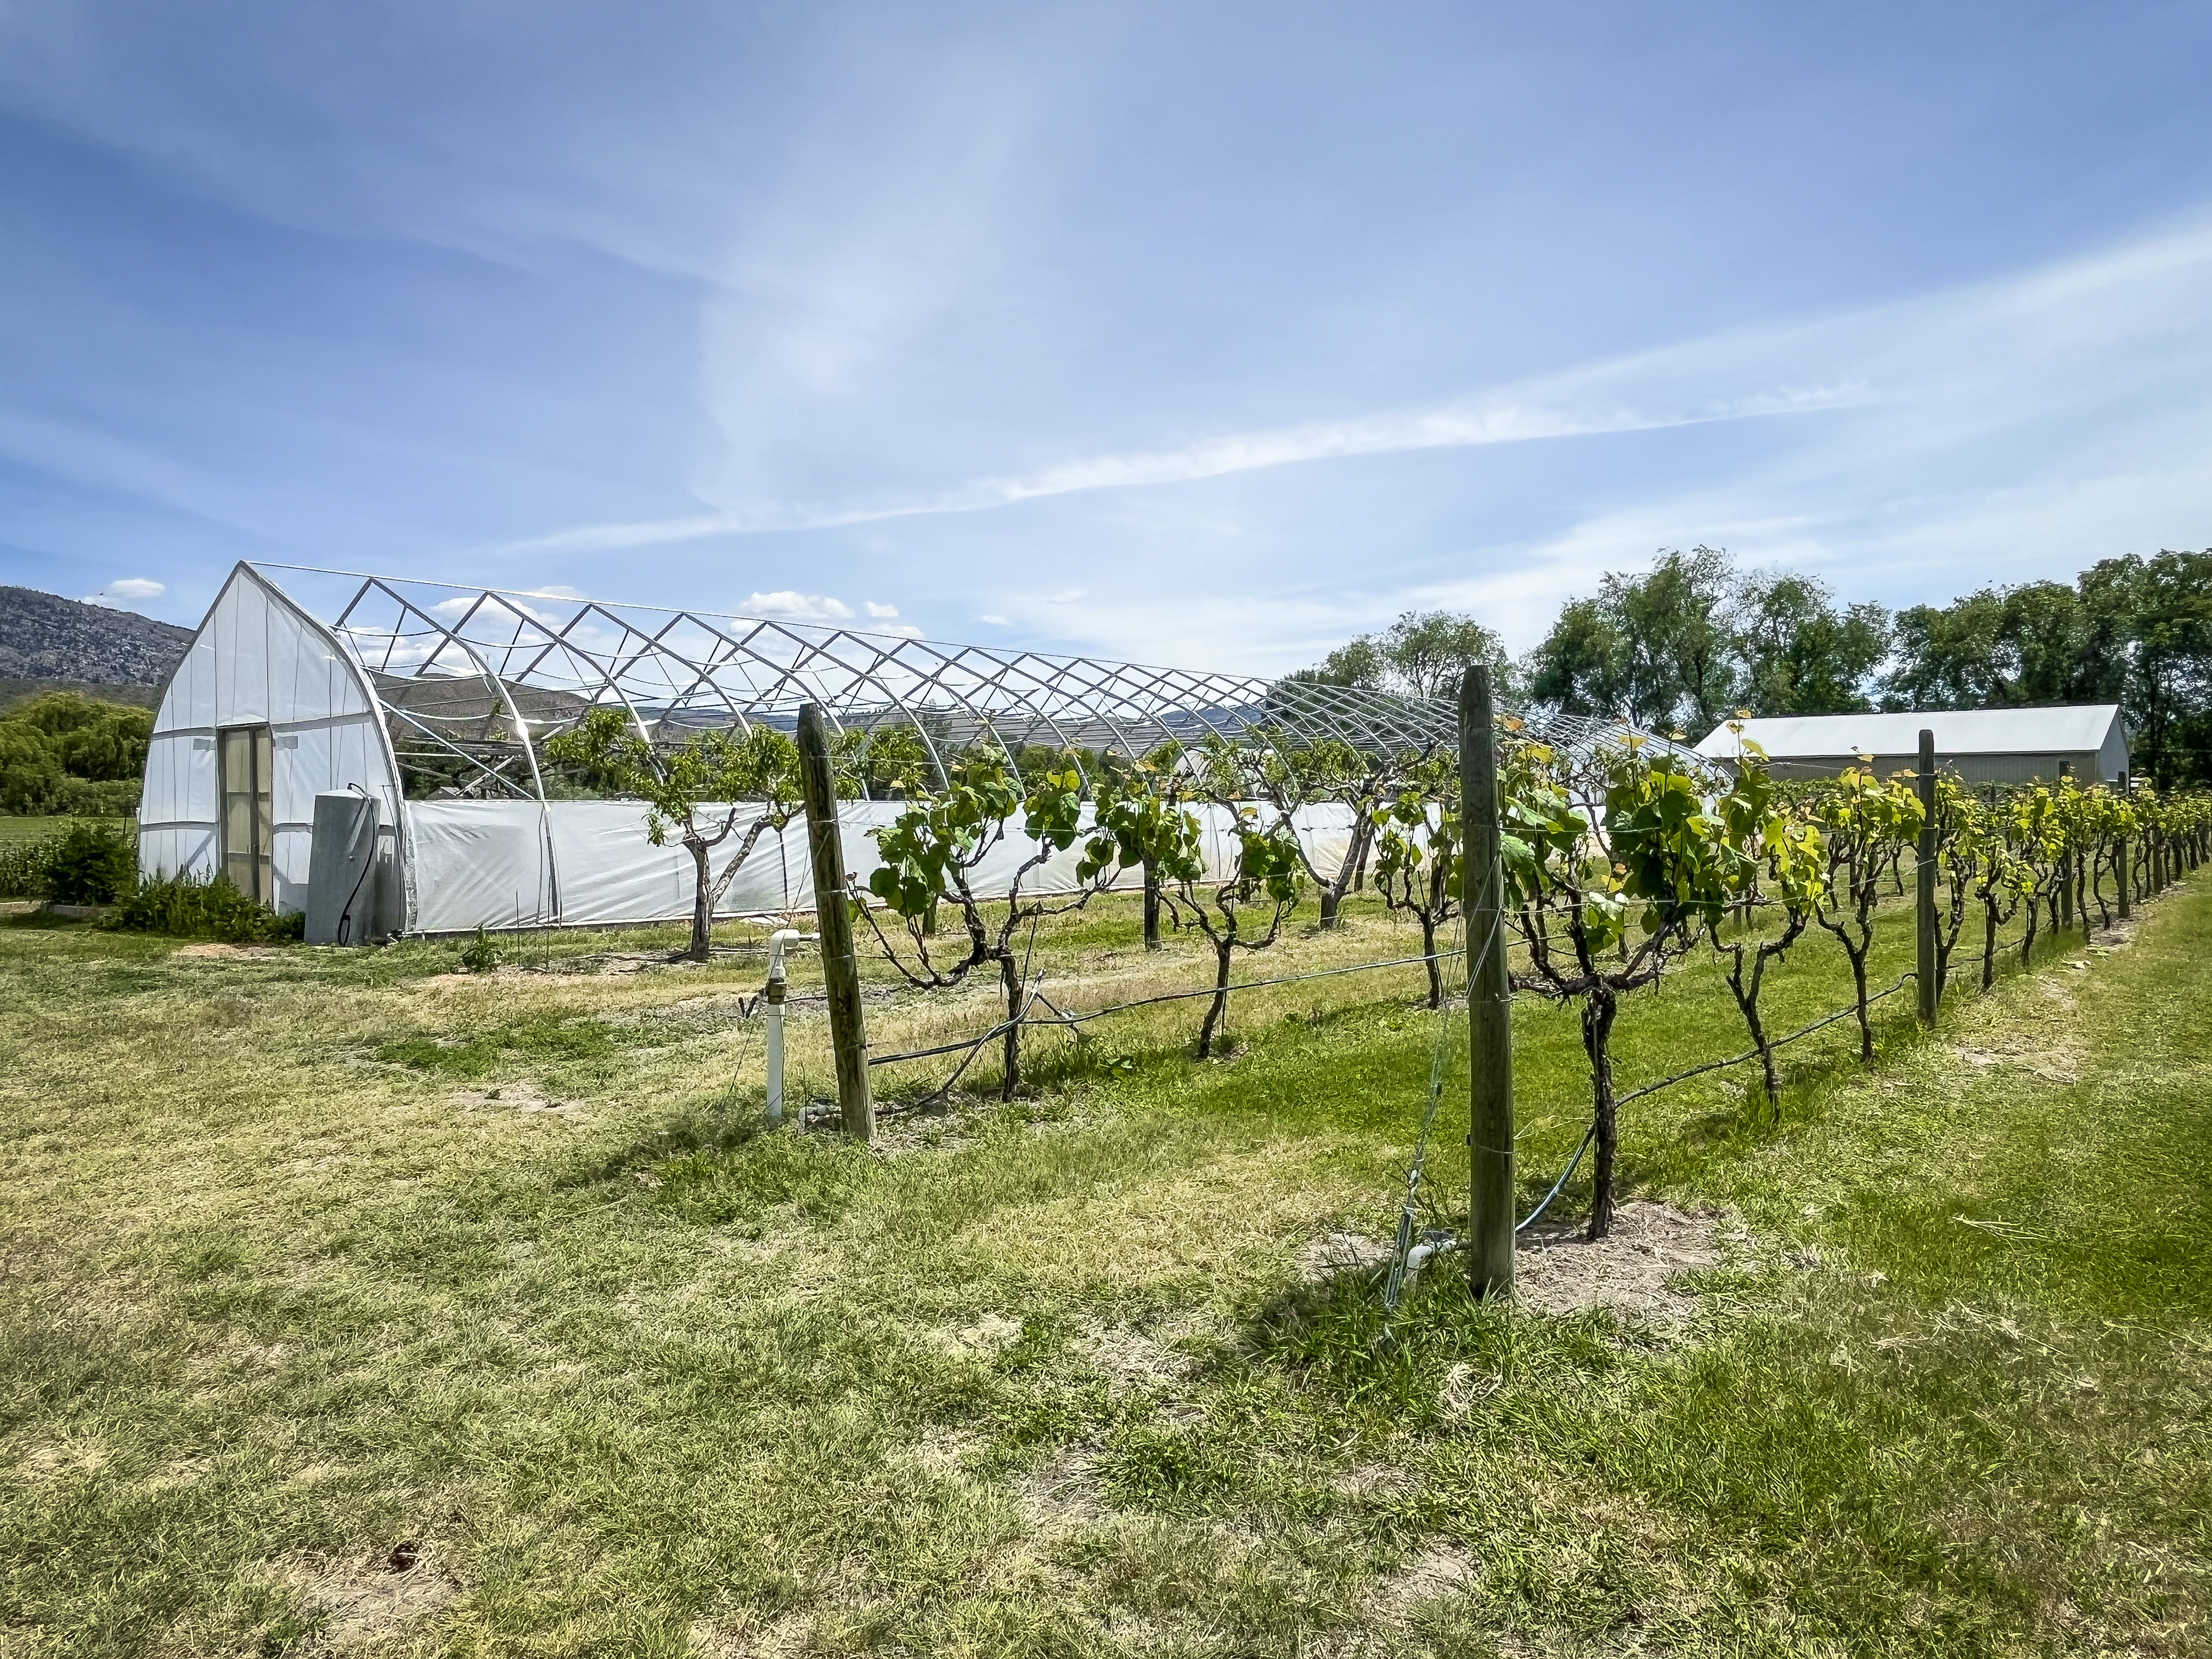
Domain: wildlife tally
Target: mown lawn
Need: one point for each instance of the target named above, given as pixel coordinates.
(352, 1305)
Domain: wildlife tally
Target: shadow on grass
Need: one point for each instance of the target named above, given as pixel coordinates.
(717, 1164)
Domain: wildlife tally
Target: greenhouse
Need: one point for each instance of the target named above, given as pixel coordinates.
(408, 719)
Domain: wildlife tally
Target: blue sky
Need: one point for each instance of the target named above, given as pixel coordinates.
(1194, 334)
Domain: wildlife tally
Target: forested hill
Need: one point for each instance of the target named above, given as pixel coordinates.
(44, 637)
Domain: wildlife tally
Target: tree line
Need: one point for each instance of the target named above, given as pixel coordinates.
(1680, 646)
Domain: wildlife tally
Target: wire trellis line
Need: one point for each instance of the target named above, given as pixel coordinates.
(1062, 1018)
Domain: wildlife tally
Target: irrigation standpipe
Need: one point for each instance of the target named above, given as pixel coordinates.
(772, 996)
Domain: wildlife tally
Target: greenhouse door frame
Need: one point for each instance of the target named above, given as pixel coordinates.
(245, 756)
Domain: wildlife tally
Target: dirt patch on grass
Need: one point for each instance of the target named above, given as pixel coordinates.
(1438, 1571)
(1341, 1253)
(1631, 1271)
(781, 1637)
(1132, 1360)
(941, 1449)
(1064, 1495)
(517, 1097)
(988, 1337)
(52, 1462)
(365, 1601)
(2053, 1065)
(900, 1131)
(214, 951)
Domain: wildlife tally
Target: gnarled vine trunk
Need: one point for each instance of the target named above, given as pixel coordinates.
(1355, 861)
(703, 901)
(1009, 978)
(1216, 1010)
(1599, 1008)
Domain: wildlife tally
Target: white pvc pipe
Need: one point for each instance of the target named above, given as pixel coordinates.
(777, 942)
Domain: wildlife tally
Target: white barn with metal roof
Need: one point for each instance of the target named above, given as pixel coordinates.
(2088, 741)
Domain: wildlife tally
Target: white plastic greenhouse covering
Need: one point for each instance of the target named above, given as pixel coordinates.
(585, 863)
(260, 660)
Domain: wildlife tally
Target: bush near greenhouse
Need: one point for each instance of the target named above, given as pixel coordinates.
(82, 863)
(92, 864)
(197, 908)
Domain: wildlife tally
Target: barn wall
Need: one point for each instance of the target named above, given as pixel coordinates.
(2084, 764)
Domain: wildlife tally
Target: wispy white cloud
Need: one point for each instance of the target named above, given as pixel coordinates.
(1999, 432)
(1939, 370)
(788, 605)
(119, 595)
(879, 612)
(1517, 417)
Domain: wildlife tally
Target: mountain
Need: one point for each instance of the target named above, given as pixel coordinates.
(44, 637)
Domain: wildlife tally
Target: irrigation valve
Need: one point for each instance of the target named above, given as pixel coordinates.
(773, 995)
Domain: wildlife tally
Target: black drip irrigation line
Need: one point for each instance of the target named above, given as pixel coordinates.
(998, 1031)
(1619, 1101)
(1247, 985)
(1565, 1176)
(1063, 1018)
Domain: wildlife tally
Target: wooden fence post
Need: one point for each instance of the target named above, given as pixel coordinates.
(1923, 884)
(1488, 997)
(841, 967)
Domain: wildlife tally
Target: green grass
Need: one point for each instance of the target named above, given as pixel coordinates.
(16, 831)
(1039, 1376)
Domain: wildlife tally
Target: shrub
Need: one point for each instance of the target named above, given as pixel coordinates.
(91, 864)
(480, 955)
(23, 868)
(195, 909)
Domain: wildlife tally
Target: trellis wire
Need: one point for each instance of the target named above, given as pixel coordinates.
(1439, 1049)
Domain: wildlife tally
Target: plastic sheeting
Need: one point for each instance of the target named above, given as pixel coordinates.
(587, 863)
(258, 660)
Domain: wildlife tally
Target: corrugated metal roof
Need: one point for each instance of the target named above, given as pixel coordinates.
(2071, 729)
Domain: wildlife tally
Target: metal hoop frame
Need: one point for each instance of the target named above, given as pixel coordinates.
(536, 663)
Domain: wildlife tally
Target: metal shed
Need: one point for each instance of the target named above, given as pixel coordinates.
(1981, 746)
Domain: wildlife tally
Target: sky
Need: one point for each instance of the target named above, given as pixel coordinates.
(1203, 334)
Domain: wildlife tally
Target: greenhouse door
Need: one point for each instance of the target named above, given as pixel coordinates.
(243, 754)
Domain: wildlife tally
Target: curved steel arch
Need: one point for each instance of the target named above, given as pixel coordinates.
(674, 672)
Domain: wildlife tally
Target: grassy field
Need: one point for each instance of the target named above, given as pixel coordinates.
(353, 1304)
(16, 831)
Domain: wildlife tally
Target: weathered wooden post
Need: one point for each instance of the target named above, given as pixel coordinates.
(1923, 884)
(1488, 997)
(1151, 905)
(841, 967)
(2120, 854)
